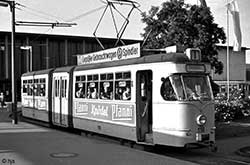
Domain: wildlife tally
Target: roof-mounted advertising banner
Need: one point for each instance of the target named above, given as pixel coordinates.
(108, 55)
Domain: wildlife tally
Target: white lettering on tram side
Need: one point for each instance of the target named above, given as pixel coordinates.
(42, 104)
(99, 110)
(122, 113)
(81, 107)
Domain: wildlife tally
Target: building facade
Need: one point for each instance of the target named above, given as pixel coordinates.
(40, 51)
(237, 70)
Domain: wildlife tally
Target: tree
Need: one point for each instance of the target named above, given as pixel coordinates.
(177, 23)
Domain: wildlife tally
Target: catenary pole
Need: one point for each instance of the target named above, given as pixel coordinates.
(13, 73)
(228, 56)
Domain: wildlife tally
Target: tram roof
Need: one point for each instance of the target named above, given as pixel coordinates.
(64, 69)
(170, 57)
(46, 71)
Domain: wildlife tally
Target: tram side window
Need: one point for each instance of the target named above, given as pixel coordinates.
(123, 86)
(106, 86)
(42, 89)
(167, 91)
(64, 88)
(36, 87)
(25, 87)
(92, 86)
(30, 87)
(80, 89)
(56, 88)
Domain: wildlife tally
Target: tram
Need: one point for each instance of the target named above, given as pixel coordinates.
(158, 99)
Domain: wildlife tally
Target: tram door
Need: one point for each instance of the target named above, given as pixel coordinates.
(60, 99)
(144, 104)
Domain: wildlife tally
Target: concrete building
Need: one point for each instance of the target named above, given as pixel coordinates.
(43, 51)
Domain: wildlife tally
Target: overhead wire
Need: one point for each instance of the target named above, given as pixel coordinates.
(48, 16)
(85, 14)
(44, 15)
(41, 34)
(36, 15)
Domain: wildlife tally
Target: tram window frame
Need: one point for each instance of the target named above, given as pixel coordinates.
(106, 83)
(92, 85)
(80, 90)
(191, 85)
(123, 86)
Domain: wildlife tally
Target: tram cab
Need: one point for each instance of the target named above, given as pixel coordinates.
(183, 113)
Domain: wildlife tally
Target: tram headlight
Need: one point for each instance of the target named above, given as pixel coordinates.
(201, 120)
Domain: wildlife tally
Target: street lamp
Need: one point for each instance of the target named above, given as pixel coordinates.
(30, 55)
(6, 3)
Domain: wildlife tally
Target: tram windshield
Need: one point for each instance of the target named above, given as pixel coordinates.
(186, 87)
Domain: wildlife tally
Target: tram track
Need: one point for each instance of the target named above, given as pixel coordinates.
(200, 156)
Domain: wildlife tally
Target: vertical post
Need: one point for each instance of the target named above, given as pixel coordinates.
(66, 52)
(83, 46)
(228, 57)
(7, 68)
(27, 56)
(31, 58)
(47, 53)
(13, 74)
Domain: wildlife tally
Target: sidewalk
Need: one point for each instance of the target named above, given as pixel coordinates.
(26, 144)
(4, 115)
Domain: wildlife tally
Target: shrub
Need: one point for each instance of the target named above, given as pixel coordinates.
(236, 107)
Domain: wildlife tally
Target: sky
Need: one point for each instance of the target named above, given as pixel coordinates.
(65, 10)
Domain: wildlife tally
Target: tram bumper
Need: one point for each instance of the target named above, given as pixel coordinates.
(180, 138)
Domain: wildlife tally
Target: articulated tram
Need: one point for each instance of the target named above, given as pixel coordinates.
(163, 99)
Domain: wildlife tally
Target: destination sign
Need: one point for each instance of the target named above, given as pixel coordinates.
(108, 55)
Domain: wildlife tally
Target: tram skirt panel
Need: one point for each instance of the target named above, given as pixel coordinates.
(115, 130)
